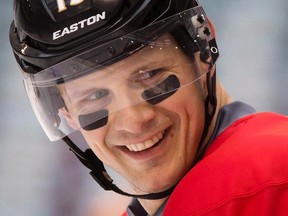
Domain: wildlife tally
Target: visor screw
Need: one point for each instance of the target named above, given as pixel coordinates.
(214, 50)
(75, 67)
(201, 18)
(23, 63)
(206, 31)
(111, 51)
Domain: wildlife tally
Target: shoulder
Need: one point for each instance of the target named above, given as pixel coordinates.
(251, 135)
(245, 167)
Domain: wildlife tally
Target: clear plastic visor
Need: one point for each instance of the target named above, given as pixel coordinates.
(89, 91)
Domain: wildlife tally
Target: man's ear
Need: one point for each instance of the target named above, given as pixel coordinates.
(212, 27)
(70, 121)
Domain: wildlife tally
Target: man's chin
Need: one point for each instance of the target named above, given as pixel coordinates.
(155, 187)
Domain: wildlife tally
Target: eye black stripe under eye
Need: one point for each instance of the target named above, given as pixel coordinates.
(94, 120)
(162, 91)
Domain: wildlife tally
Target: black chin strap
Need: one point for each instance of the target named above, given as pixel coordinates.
(100, 175)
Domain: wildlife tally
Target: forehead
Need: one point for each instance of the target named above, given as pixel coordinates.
(162, 52)
(158, 52)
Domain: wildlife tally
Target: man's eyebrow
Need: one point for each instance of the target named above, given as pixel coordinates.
(78, 90)
(143, 66)
(80, 93)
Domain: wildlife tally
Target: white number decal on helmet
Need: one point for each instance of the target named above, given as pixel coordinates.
(62, 6)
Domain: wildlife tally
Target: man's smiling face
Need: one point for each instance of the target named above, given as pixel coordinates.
(155, 120)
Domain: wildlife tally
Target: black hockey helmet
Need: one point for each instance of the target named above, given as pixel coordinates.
(46, 32)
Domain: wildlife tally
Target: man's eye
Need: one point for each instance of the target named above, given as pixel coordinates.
(146, 75)
(99, 94)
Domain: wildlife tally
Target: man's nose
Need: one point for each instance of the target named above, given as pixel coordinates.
(134, 119)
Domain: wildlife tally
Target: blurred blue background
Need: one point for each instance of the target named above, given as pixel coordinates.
(42, 178)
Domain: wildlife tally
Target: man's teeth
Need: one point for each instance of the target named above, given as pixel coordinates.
(147, 144)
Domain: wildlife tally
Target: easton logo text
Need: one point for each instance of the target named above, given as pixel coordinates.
(79, 25)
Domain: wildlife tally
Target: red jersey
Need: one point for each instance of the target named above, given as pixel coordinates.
(244, 172)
